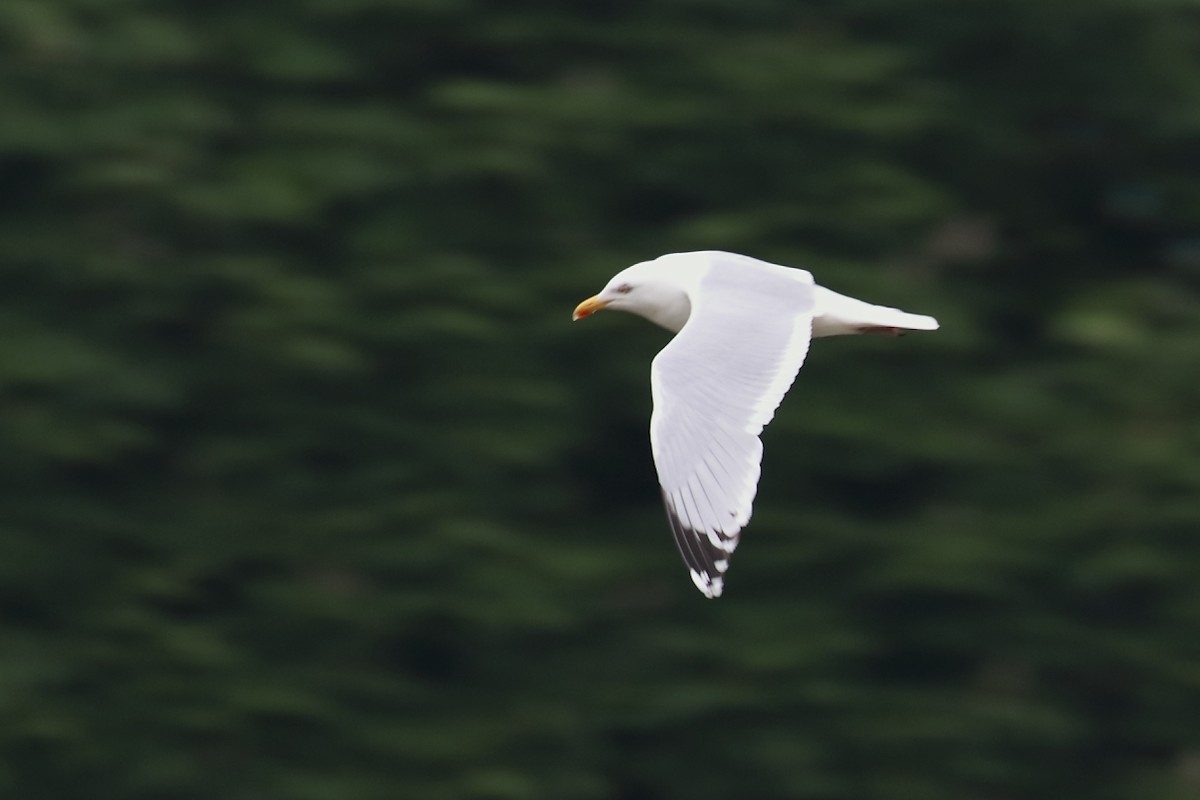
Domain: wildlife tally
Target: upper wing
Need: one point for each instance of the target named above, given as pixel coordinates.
(715, 386)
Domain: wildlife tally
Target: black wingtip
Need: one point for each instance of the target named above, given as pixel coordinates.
(705, 561)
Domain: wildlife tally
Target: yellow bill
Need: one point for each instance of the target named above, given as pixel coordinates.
(588, 307)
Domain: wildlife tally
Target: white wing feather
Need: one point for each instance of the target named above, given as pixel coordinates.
(715, 386)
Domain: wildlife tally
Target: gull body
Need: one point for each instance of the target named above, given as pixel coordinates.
(665, 285)
(743, 327)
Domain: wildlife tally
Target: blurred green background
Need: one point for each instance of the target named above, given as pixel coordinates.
(311, 489)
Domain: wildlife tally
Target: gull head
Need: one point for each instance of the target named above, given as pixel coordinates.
(657, 290)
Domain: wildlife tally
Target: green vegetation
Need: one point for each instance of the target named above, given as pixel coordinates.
(311, 490)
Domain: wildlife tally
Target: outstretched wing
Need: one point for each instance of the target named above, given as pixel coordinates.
(715, 386)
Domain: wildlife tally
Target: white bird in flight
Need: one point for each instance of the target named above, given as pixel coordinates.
(742, 329)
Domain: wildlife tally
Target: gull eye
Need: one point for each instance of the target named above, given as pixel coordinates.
(624, 288)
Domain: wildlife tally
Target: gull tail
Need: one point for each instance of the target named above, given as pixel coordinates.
(884, 316)
(836, 314)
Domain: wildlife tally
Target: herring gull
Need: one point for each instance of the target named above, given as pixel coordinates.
(743, 327)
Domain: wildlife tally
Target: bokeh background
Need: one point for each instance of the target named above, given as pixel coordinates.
(311, 490)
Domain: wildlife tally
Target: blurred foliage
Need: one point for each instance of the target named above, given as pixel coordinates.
(311, 490)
